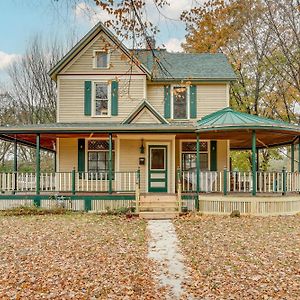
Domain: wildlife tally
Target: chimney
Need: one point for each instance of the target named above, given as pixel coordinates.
(150, 40)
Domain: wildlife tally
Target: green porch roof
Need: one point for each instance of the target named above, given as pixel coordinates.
(228, 118)
(237, 127)
(188, 66)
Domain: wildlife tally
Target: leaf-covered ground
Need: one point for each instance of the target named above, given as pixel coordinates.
(75, 257)
(241, 258)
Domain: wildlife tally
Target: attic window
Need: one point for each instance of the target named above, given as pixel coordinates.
(101, 59)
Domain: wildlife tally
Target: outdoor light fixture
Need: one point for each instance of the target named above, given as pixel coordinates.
(142, 148)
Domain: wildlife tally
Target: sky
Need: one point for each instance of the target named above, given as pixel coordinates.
(21, 20)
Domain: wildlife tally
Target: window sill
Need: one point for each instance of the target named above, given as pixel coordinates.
(101, 68)
(101, 116)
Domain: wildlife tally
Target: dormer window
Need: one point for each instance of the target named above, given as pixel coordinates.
(101, 59)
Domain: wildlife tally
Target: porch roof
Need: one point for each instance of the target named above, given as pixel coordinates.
(237, 126)
(25, 134)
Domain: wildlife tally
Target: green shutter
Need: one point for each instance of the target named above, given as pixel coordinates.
(87, 98)
(167, 101)
(193, 102)
(81, 155)
(114, 98)
(213, 155)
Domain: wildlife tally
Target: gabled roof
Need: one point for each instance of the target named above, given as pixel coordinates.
(145, 105)
(188, 66)
(84, 41)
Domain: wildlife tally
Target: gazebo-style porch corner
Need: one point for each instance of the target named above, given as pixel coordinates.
(81, 190)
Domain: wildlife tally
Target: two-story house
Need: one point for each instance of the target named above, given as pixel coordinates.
(102, 83)
(151, 123)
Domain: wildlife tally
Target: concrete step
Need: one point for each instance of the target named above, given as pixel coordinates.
(159, 215)
(159, 209)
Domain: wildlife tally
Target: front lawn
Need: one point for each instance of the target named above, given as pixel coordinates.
(241, 258)
(74, 257)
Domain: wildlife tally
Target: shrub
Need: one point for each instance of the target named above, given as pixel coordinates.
(33, 210)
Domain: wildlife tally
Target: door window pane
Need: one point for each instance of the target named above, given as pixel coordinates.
(157, 159)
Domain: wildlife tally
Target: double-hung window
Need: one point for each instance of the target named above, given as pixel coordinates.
(101, 99)
(180, 102)
(98, 156)
(189, 155)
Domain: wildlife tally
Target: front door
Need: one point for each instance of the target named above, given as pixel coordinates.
(157, 169)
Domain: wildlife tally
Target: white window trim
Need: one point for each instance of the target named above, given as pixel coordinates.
(187, 101)
(94, 99)
(87, 150)
(194, 140)
(95, 59)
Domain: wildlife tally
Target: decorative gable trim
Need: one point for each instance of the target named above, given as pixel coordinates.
(85, 41)
(141, 109)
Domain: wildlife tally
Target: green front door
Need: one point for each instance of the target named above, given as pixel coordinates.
(157, 169)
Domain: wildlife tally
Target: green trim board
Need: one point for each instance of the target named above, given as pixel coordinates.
(167, 101)
(213, 156)
(81, 155)
(87, 98)
(114, 98)
(193, 101)
(72, 197)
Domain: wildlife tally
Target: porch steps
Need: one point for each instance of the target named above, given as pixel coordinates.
(158, 215)
(158, 206)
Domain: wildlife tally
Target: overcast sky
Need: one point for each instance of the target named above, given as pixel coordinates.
(20, 20)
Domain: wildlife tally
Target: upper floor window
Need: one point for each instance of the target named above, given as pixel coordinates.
(101, 99)
(101, 59)
(180, 103)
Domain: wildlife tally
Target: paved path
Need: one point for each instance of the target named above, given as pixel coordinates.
(163, 247)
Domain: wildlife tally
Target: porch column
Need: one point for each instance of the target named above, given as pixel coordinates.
(15, 163)
(110, 164)
(292, 158)
(253, 163)
(38, 163)
(197, 171)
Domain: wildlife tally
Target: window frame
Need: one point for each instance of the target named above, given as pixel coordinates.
(94, 83)
(193, 152)
(87, 152)
(187, 101)
(95, 59)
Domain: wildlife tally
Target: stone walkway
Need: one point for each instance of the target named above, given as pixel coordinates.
(163, 248)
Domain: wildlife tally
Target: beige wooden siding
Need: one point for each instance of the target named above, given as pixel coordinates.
(68, 154)
(155, 96)
(71, 100)
(129, 158)
(145, 116)
(222, 155)
(119, 62)
(210, 98)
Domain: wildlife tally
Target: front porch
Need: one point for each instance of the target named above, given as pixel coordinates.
(103, 165)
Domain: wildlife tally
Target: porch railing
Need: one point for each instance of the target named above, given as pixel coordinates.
(241, 182)
(69, 182)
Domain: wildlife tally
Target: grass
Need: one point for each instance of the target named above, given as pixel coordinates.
(75, 256)
(241, 258)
